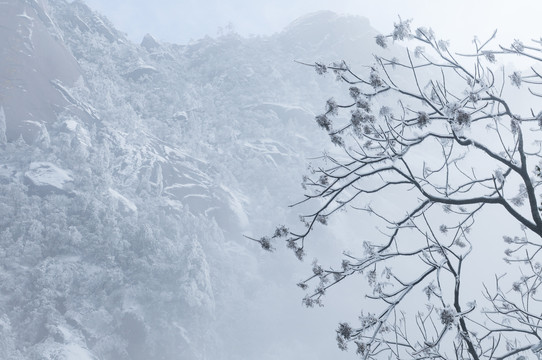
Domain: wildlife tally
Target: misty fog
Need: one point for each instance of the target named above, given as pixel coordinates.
(134, 176)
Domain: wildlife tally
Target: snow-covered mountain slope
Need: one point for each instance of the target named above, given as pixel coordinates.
(140, 167)
(32, 55)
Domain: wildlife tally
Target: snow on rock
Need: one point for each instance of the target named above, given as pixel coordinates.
(237, 202)
(128, 204)
(283, 111)
(180, 116)
(76, 352)
(28, 65)
(67, 95)
(25, 15)
(69, 351)
(86, 20)
(82, 134)
(147, 255)
(143, 70)
(46, 174)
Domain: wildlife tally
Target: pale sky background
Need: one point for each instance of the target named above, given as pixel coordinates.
(180, 21)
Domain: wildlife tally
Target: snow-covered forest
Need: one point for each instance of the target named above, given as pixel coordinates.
(139, 182)
(130, 173)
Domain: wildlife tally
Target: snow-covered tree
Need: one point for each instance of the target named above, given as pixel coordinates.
(441, 153)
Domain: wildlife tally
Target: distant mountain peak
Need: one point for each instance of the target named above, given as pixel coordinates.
(317, 17)
(325, 18)
(327, 35)
(149, 42)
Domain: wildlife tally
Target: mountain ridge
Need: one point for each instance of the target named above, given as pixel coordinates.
(123, 212)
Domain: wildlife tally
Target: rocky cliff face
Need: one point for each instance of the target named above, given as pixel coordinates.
(33, 55)
(129, 174)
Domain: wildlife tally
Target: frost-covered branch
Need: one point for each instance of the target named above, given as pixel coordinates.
(436, 131)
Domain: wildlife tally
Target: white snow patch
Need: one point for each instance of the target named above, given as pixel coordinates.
(128, 203)
(236, 201)
(82, 134)
(180, 186)
(180, 115)
(72, 349)
(72, 100)
(147, 67)
(183, 331)
(76, 352)
(201, 196)
(174, 204)
(209, 210)
(181, 154)
(268, 146)
(48, 174)
(171, 151)
(302, 137)
(25, 15)
(33, 122)
(71, 124)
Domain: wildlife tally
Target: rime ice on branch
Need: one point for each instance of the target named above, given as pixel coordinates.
(438, 126)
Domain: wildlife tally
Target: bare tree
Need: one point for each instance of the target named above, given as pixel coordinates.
(439, 133)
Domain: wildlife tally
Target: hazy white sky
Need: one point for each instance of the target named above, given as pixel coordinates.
(180, 21)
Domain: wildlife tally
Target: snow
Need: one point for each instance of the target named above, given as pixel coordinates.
(215, 184)
(209, 211)
(268, 146)
(7, 171)
(302, 138)
(71, 124)
(82, 133)
(33, 122)
(147, 67)
(174, 204)
(70, 349)
(200, 196)
(128, 203)
(180, 115)
(183, 331)
(72, 100)
(48, 174)
(237, 202)
(139, 72)
(25, 16)
(175, 152)
(183, 186)
(77, 352)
